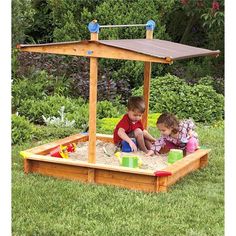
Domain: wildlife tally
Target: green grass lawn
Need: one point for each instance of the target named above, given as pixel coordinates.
(193, 206)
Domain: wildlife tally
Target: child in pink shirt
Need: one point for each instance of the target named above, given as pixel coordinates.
(175, 134)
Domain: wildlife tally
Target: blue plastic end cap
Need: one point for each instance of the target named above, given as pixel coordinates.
(93, 27)
(150, 25)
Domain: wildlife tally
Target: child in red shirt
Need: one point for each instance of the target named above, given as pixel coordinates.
(130, 126)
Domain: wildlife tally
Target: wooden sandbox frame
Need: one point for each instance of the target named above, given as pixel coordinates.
(37, 161)
(146, 50)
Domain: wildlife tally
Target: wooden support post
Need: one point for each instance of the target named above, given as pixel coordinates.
(94, 36)
(93, 105)
(146, 84)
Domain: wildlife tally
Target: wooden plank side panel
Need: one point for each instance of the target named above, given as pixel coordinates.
(59, 170)
(177, 166)
(126, 176)
(64, 161)
(183, 172)
(46, 148)
(183, 167)
(83, 174)
(105, 138)
(91, 175)
(126, 180)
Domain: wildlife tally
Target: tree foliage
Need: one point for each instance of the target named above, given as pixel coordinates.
(194, 22)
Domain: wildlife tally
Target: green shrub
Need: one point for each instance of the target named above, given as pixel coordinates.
(48, 106)
(172, 94)
(152, 119)
(206, 104)
(107, 125)
(107, 109)
(22, 129)
(38, 86)
(51, 133)
(75, 109)
(59, 121)
(216, 83)
(81, 116)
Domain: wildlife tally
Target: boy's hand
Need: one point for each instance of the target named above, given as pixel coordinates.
(149, 153)
(133, 146)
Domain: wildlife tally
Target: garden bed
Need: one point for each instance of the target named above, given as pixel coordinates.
(149, 178)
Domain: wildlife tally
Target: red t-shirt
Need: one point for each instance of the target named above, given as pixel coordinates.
(127, 125)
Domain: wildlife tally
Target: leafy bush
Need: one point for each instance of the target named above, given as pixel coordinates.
(216, 83)
(172, 94)
(108, 109)
(152, 119)
(65, 75)
(38, 86)
(22, 20)
(81, 116)
(48, 106)
(107, 125)
(59, 121)
(22, 129)
(51, 133)
(75, 109)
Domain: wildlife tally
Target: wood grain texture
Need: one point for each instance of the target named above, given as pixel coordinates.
(146, 84)
(92, 109)
(92, 49)
(131, 178)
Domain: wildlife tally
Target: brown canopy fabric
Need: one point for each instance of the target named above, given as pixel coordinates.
(160, 48)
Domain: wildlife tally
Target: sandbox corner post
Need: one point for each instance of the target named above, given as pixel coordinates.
(26, 165)
(161, 184)
(204, 160)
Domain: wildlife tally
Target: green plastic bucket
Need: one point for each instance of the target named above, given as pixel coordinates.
(174, 155)
(130, 161)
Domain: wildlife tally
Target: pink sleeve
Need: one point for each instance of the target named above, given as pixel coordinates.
(159, 143)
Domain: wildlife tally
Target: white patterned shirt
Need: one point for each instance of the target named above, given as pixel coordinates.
(185, 126)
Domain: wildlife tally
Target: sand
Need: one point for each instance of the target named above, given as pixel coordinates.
(108, 157)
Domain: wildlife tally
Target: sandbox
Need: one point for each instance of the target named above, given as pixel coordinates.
(148, 51)
(159, 179)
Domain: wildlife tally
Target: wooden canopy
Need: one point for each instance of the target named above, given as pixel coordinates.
(153, 50)
(147, 50)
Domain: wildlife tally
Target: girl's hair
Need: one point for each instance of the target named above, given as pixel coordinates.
(170, 121)
(136, 103)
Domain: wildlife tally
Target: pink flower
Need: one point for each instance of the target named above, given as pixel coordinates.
(215, 5)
